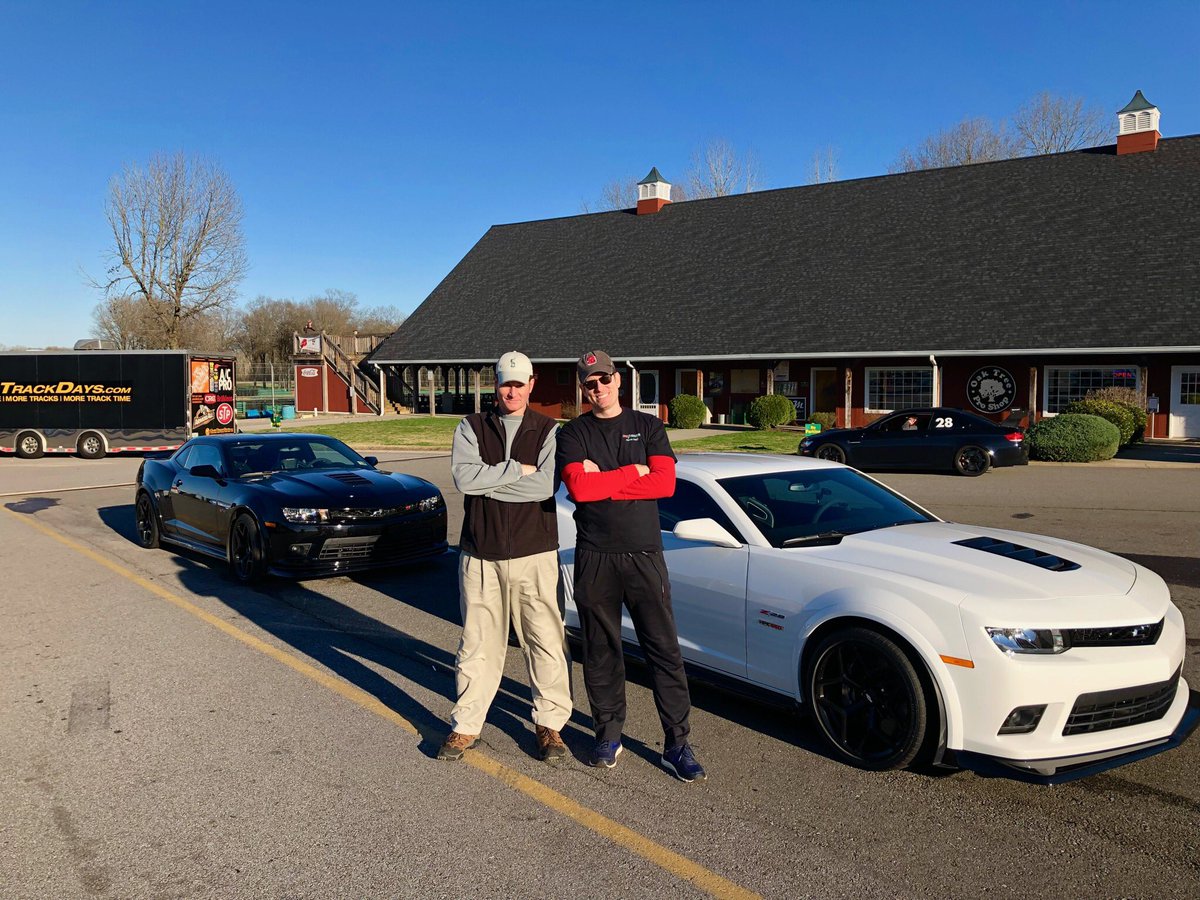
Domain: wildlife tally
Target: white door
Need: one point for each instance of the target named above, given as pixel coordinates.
(1185, 402)
(647, 400)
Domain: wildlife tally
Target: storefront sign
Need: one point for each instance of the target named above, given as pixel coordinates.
(991, 389)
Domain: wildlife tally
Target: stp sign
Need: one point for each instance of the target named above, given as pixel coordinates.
(224, 413)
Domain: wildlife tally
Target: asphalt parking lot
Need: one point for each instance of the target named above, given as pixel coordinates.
(170, 734)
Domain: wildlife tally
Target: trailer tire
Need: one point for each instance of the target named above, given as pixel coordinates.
(29, 445)
(90, 446)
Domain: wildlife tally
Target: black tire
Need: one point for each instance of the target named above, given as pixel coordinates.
(971, 460)
(90, 446)
(867, 700)
(146, 521)
(832, 453)
(29, 446)
(247, 555)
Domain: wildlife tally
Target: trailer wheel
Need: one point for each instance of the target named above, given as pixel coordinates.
(91, 446)
(29, 445)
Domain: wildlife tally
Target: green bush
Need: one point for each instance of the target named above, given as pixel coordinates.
(1073, 438)
(568, 410)
(826, 420)
(1132, 401)
(770, 411)
(687, 411)
(1116, 413)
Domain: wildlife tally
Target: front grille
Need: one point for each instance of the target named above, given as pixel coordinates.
(1122, 636)
(1019, 553)
(347, 548)
(1105, 710)
(364, 514)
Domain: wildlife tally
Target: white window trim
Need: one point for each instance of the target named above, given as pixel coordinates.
(867, 383)
(1046, 370)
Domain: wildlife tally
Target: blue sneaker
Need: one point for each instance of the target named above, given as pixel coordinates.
(681, 762)
(605, 754)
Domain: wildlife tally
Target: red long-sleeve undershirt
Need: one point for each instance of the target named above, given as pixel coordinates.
(621, 484)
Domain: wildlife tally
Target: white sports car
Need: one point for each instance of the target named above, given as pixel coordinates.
(909, 638)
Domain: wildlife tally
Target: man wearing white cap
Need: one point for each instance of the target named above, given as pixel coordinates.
(503, 462)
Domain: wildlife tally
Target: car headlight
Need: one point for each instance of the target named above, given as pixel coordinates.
(1028, 640)
(305, 515)
(430, 503)
(806, 443)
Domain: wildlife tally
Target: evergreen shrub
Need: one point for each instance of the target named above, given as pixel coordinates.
(1116, 413)
(1132, 401)
(687, 411)
(826, 420)
(1072, 437)
(770, 411)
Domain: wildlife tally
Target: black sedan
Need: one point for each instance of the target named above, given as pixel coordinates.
(290, 504)
(938, 438)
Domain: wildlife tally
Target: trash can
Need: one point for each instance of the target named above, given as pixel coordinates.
(289, 412)
(720, 418)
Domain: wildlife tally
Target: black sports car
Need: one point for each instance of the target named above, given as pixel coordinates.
(938, 438)
(291, 504)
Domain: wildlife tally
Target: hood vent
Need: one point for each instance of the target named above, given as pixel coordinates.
(1019, 553)
(349, 478)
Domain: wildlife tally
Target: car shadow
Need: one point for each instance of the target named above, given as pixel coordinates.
(350, 643)
(1180, 570)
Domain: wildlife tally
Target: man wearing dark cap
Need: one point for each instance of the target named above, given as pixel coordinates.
(503, 462)
(616, 463)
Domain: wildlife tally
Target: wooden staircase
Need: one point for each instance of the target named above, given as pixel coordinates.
(364, 391)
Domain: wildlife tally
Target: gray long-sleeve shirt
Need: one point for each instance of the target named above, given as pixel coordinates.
(502, 481)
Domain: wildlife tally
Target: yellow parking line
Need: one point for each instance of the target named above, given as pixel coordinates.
(631, 840)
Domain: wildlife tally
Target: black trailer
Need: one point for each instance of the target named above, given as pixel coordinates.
(95, 402)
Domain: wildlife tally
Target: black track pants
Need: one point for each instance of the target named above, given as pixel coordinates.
(603, 582)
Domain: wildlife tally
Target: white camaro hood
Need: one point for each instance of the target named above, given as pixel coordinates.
(929, 552)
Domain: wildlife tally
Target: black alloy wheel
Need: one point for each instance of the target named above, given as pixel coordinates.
(867, 700)
(147, 521)
(247, 557)
(91, 446)
(972, 461)
(832, 452)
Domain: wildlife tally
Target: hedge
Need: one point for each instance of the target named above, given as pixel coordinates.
(1116, 413)
(826, 420)
(770, 411)
(687, 411)
(1131, 400)
(1072, 437)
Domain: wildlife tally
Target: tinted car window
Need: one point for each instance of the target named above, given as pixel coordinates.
(206, 455)
(791, 506)
(911, 422)
(691, 501)
(182, 455)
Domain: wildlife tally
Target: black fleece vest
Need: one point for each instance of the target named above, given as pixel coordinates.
(493, 529)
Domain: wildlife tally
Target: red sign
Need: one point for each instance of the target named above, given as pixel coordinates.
(210, 399)
(224, 413)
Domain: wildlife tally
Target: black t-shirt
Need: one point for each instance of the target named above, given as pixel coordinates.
(615, 526)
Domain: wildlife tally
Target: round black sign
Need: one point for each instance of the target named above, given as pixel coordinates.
(991, 389)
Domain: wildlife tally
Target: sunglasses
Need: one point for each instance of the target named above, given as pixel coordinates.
(592, 383)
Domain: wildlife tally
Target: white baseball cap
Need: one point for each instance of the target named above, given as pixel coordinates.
(514, 366)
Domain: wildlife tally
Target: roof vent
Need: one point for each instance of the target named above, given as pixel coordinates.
(1137, 126)
(1019, 553)
(654, 192)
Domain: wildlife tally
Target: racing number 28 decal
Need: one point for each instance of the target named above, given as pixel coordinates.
(943, 422)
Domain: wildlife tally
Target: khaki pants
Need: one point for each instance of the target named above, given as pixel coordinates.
(491, 594)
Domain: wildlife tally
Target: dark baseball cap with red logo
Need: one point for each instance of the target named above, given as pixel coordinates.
(594, 362)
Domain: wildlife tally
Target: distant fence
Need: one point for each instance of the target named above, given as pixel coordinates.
(265, 390)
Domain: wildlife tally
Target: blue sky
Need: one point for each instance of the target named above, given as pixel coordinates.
(373, 143)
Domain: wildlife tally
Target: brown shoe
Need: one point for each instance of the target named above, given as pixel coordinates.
(456, 744)
(551, 748)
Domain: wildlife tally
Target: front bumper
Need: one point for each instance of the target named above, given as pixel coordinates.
(310, 550)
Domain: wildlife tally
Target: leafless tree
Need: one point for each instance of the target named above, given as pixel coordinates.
(178, 240)
(824, 165)
(1053, 124)
(264, 333)
(621, 193)
(718, 170)
(378, 320)
(970, 141)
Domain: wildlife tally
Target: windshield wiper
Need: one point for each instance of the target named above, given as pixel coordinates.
(825, 537)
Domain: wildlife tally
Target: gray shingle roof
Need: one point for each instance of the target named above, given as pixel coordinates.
(1074, 250)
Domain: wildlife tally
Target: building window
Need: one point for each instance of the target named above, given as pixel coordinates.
(889, 389)
(1065, 384)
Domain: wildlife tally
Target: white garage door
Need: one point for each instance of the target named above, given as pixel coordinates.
(1185, 402)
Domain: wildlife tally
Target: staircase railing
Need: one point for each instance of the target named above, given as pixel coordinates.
(363, 390)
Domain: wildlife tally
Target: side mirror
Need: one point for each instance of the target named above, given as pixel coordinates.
(205, 471)
(372, 461)
(705, 531)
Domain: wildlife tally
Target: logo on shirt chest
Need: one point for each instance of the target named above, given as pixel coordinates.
(632, 438)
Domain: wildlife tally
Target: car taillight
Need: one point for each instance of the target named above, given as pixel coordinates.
(1015, 436)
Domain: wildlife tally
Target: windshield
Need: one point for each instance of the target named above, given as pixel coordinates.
(252, 457)
(805, 506)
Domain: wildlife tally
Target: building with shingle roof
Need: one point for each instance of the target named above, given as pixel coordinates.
(1060, 273)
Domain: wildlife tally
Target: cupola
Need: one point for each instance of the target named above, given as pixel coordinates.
(654, 192)
(1137, 126)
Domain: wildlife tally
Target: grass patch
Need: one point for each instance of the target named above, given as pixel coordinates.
(784, 442)
(415, 432)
